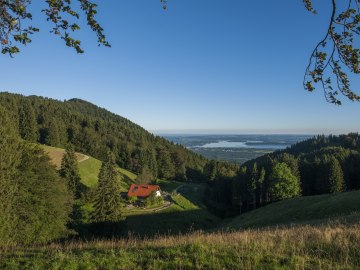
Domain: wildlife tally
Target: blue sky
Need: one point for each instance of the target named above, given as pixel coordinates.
(216, 66)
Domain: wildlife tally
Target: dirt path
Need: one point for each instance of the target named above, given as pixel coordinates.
(82, 158)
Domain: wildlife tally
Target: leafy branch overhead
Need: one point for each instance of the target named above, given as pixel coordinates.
(62, 15)
(336, 55)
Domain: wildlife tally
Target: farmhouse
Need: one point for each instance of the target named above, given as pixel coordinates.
(143, 191)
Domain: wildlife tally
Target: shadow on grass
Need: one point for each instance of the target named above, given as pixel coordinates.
(149, 225)
(170, 223)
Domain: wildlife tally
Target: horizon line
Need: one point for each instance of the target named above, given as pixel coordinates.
(309, 132)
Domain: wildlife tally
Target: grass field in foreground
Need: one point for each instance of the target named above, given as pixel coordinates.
(325, 247)
(311, 209)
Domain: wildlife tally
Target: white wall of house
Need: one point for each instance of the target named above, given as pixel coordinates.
(158, 193)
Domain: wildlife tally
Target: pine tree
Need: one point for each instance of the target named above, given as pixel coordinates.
(210, 170)
(260, 185)
(43, 202)
(10, 157)
(70, 172)
(34, 203)
(145, 177)
(27, 123)
(53, 134)
(336, 177)
(252, 184)
(107, 201)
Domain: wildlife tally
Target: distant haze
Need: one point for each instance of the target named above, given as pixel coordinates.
(255, 131)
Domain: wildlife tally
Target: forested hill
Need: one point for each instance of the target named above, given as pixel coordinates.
(95, 131)
(310, 160)
(320, 165)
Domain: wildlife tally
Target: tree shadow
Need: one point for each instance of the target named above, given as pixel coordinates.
(169, 223)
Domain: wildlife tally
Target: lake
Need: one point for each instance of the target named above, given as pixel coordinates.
(235, 148)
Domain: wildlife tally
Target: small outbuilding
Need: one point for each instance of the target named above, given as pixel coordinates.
(143, 191)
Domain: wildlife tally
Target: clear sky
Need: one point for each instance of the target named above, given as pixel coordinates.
(218, 66)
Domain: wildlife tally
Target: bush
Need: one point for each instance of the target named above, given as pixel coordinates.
(132, 199)
(154, 200)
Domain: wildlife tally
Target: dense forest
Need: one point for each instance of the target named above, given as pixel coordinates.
(320, 165)
(95, 131)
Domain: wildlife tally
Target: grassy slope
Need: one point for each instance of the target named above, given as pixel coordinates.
(89, 167)
(184, 215)
(311, 210)
(186, 212)
(324, 247)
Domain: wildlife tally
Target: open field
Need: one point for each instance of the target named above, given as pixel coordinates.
(184, 214)
(305, 247)
(311, 209)
(89, 167)
(56, 155)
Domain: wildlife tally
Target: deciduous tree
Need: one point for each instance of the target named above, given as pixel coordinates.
(283, 184)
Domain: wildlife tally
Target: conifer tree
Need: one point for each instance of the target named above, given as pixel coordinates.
(252, 184)
(27, 122)
(260, 185)
(70, 172)
(107, 201)
(336, 176)
(9, 160)
(145, 177)
(43, 202)
(53, 134)
(34, 203)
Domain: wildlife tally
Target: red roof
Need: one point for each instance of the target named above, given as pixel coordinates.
(142, 190)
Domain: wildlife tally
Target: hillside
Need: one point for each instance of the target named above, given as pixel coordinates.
(89, 167)
(304, 210)
(185, 212)
(317, 166)
(323, 247)
(94, 131)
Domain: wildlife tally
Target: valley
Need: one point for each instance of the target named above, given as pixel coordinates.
(235, 148)
(292, 202)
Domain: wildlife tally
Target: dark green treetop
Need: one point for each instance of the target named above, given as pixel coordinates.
(283, 184)
(27, 123)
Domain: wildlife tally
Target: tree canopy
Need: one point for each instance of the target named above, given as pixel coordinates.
(34, 202)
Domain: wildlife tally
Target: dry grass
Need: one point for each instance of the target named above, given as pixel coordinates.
(56, 155)
(333, 246)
